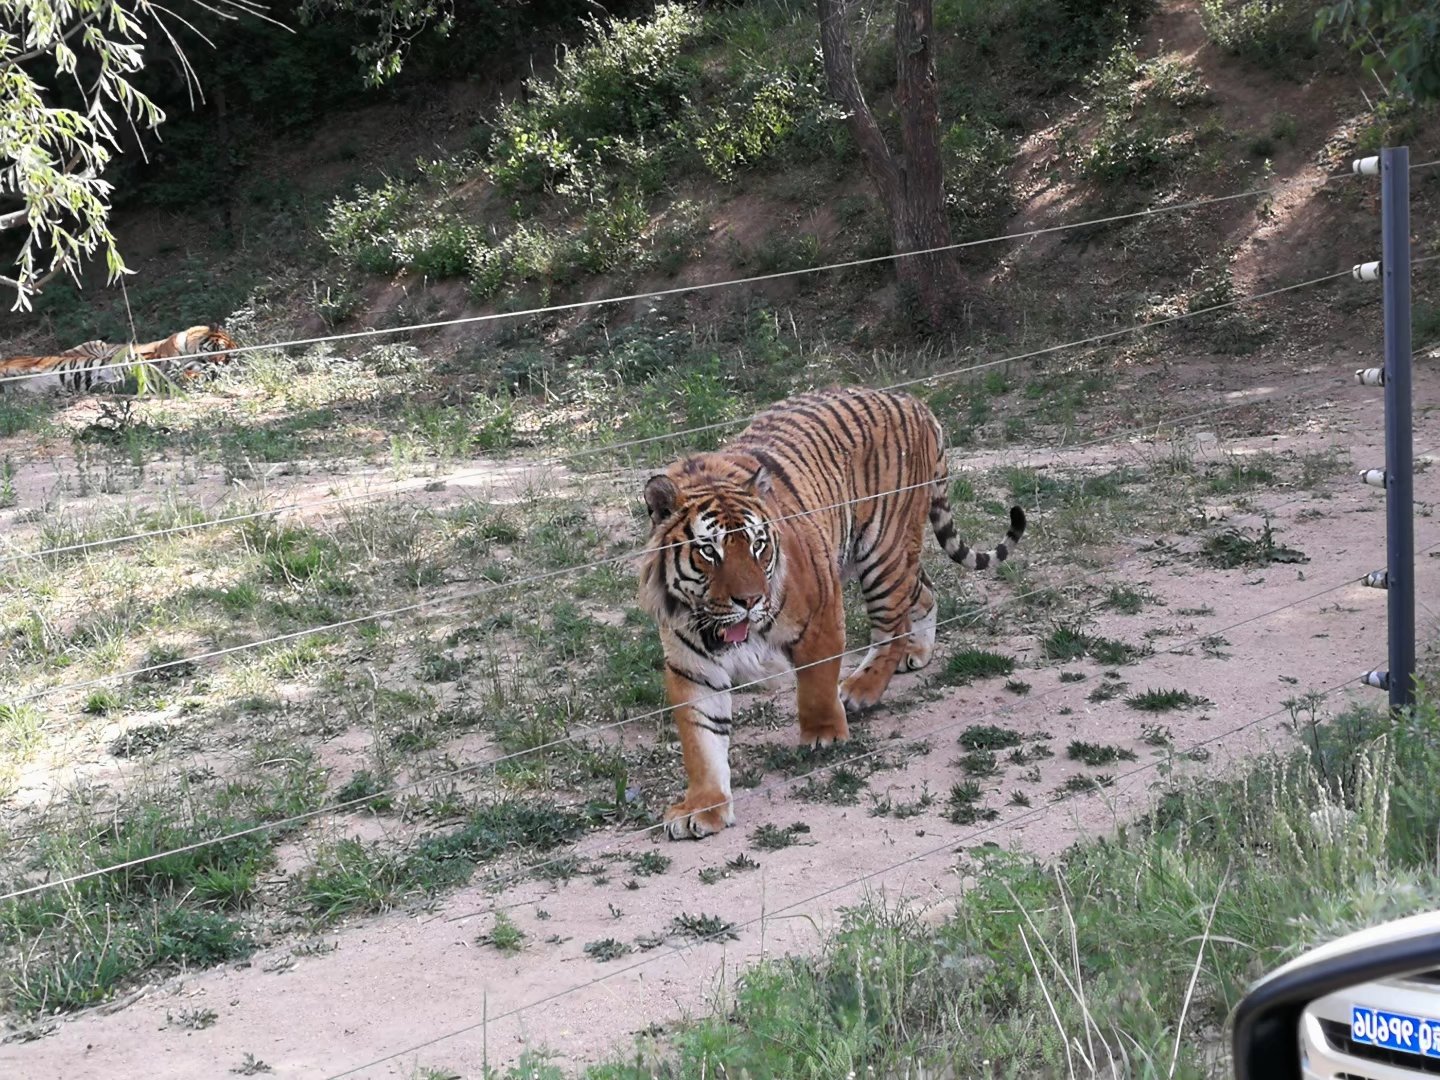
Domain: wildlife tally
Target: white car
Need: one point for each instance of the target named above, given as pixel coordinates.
(1384, 1030)
(1363, 1007)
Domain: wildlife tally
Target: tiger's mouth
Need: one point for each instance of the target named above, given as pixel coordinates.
(720, 634)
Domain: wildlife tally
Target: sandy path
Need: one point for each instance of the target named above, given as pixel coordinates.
(401, 980)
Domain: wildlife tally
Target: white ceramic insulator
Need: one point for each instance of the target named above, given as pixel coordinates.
(1366, 271)
(1376, 579)
(1366, 166)
(1378, 679)
(1370, 376)
(1373, 477)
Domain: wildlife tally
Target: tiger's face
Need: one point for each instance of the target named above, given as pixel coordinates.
(714, 557)
(207, 347)
(214, 342)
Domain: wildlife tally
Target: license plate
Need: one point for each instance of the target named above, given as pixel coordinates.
(1395, 1031)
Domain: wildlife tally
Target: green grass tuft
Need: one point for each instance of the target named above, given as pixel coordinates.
(966, 666)
(989, 737)
(1089, 753)
(1166, 701)
(773, 838)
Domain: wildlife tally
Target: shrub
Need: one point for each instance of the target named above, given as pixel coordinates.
(440, 247)
(629, 81)
(1137, 140)
(363, 228)
(978, 191)
(771, 111)
(612, 233)
(1262, 31)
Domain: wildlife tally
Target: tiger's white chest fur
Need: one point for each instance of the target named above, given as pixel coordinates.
(757, 658)
(760, 657)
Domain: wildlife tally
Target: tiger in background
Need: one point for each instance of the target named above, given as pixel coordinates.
(205, 346)
(99, 364)
(748, 550)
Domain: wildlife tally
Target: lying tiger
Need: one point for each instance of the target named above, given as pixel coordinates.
(98, 363)
(748, 549)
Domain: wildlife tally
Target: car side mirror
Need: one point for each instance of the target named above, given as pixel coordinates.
(1367, 1004)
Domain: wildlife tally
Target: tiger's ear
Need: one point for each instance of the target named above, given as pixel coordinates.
(760, 480)
(661, 495)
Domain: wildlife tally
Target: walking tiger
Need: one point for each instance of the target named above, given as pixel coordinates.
(749, 547)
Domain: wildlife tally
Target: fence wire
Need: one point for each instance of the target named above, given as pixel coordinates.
(582, 452)
(950, 844)
(754, 279)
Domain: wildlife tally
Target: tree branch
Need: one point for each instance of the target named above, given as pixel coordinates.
(34, 286)
(35, 54)
(839, 61)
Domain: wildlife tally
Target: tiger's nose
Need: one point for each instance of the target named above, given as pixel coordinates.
(748, 601)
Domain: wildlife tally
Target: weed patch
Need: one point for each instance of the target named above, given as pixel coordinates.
(963, 806)
(1234, 548)
(774, 838)
(1166, 701)
(1070, 641)
(606, 949)
(503, 934)
(966, 666)
(704, 927)
(989, 737)
(1088, 753)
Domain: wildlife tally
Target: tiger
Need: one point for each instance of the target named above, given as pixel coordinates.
(205, 346)
(96, 364)
(87, 366)
(748, 550)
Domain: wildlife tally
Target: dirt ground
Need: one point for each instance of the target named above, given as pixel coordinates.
(386, 996)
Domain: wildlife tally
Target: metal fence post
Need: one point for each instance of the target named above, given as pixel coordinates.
(1399, 449)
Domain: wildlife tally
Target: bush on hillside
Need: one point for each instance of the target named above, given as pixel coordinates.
(606, 106)
(1262, 31)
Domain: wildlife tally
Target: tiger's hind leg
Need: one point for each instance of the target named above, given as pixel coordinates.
(901, 605)
(921, 646)
(889, 604)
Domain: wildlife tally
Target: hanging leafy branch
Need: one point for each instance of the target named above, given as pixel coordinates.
(1398, 37)
(393, 26)
(67, 91)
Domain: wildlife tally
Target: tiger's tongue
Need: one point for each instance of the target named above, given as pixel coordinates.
(737, 633)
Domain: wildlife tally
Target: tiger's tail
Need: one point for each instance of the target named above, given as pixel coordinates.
(943, 522)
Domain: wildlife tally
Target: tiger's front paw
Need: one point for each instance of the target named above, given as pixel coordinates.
(823, 734)
(698, 815)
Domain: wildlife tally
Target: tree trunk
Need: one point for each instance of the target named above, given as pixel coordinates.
(910, 183)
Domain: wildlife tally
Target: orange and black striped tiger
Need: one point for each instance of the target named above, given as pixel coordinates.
(96, 364)
(749, 546)
(206, 346)
(87, 366)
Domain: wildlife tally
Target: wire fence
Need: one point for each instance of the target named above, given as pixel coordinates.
(754, 279)
(614, 843)
(951, 844)
(531, 580)
(631, 444)
(592, 731)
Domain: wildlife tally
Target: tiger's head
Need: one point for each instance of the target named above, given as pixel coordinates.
(714, 561)
(206, 346)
